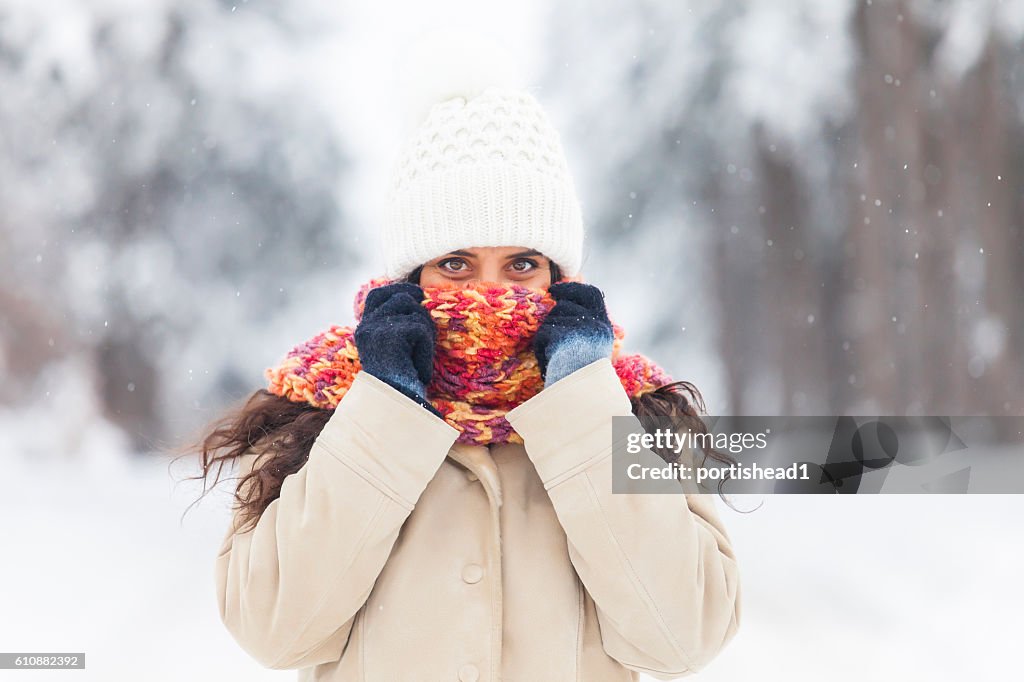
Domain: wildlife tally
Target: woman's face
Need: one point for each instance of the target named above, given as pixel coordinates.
(504, 264)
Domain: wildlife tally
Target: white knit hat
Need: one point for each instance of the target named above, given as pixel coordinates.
(485, 168)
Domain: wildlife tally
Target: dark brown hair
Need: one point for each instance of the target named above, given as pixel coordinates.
(286, 430)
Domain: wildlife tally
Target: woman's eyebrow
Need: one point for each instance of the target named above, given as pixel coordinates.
(460, 252)
(521, 254)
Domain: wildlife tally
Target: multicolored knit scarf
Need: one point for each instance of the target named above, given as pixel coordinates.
(483, 363)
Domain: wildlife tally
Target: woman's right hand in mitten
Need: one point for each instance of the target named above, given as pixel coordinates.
(395, 340)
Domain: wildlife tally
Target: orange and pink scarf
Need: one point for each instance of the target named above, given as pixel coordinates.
(483, 363)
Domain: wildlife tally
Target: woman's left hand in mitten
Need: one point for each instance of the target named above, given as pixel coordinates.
(575, 333)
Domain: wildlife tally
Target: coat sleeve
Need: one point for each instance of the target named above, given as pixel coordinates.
(289, 589)
(659, 566)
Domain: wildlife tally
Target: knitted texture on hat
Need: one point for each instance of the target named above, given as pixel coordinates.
(489, 170)
(483, 364)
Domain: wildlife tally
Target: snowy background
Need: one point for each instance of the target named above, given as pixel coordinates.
(803, 208)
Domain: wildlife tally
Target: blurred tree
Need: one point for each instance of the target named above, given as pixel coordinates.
(839, 180)
(182, 178)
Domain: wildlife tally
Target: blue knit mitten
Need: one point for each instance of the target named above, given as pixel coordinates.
(395, 340)
(575, 333)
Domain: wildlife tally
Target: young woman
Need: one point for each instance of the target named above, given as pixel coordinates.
(428, 496)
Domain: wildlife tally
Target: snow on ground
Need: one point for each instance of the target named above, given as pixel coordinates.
(100, 559)
(106, 561)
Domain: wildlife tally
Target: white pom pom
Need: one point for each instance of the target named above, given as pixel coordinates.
(447, 63)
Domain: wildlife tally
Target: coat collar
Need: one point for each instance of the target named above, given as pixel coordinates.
(477, 458)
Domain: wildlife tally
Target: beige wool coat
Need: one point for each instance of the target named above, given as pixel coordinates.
(398, 555)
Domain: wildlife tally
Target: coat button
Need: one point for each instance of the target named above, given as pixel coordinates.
(472, 573)
(471, 476)
(468, 673)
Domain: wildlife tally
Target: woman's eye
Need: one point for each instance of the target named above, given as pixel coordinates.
(445, 264)
(529, 265)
